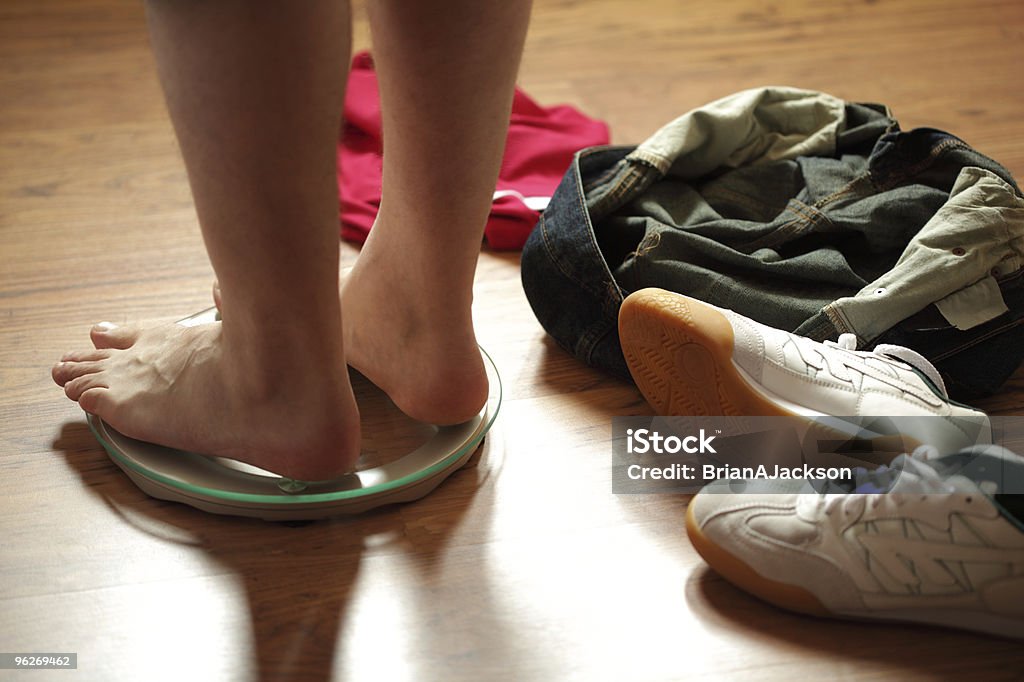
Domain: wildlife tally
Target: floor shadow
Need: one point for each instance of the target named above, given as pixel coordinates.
(298, 576)
(567, 374)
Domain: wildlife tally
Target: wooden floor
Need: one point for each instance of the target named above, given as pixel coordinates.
(523, 567)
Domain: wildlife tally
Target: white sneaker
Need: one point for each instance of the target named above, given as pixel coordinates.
(691, 358)
(932, 547)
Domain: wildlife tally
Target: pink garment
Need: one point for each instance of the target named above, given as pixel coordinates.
(540, 145)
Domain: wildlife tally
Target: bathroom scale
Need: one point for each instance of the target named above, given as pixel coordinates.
(401, 460)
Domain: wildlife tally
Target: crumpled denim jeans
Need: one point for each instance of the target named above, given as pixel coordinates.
(803, 212)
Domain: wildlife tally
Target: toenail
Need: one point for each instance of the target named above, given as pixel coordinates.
(105, 326)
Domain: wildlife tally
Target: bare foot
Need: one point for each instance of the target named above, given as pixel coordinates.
(418, 346)
(185, 388)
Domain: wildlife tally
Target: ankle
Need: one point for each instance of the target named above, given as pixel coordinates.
(282, 361)
(437, 271)
(418, 296)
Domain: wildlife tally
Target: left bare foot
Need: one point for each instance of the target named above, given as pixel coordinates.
(186, 388)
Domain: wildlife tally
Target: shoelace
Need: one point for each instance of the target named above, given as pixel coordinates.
(848, 357)
(908, 476)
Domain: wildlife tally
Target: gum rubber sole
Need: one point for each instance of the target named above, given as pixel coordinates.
(679, 352)
(744, 577)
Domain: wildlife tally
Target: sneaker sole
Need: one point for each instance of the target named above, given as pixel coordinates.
(746, 578)
(679, 352)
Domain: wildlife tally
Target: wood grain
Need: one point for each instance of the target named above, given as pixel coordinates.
(523, 566)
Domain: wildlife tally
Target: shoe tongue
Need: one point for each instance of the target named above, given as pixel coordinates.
(918, 363)
(905, 475)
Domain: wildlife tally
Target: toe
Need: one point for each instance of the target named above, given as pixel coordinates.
(74, 388)
(95, 400)
(64, 372)
(107, 335)
(85, 355)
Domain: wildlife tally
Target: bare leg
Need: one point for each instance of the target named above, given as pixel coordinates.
(255, 92)
(447, 73)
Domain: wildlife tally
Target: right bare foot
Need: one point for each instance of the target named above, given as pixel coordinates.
(414, 343)
(185, 388)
